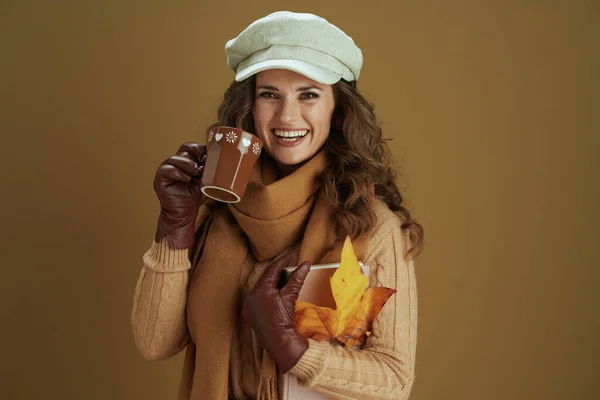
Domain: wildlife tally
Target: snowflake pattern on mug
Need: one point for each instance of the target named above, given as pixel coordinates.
(210, 135)
(256, 148)
(231, 137)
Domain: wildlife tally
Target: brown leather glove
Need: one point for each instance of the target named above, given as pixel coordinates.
(177, 185)
(271, 313)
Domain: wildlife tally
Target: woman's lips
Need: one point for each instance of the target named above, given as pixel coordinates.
(289, 141)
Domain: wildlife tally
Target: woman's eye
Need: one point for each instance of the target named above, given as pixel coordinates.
(309, 95)
(267, 95)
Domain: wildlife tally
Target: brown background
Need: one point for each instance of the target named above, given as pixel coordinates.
(493, 110)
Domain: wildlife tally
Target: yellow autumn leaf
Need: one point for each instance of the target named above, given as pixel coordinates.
(361, 321)
(356, 306)
(313, 322)
(348, 284)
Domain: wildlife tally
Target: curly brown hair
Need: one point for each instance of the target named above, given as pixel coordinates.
(359, 164)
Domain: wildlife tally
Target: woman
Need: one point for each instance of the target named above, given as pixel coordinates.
(209, 278)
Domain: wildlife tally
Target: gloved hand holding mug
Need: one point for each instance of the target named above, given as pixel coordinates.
(177, 185)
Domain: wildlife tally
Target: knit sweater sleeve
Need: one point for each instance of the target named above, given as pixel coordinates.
(158, 315)
(384, 367)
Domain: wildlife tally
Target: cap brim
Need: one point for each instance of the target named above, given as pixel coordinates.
(311, 71)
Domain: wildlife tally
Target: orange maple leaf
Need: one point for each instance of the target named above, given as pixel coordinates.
(356, 306)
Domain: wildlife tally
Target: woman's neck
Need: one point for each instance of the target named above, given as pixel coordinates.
(286, 170)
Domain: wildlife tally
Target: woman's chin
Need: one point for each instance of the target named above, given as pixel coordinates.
(289, 156)
(287, 162)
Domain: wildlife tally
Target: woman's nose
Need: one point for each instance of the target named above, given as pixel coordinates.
(289, 110)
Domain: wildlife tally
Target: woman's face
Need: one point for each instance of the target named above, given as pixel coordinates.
(292, 115)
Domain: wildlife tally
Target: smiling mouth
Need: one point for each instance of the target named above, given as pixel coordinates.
(289, 136)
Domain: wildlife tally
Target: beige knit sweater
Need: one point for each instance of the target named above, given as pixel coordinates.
(383, 369)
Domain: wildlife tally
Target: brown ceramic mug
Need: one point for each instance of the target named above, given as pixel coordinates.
(230, 158)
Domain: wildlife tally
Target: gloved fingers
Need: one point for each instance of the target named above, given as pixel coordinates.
(295, 282)
(195, 188)
(168, 173)
(185, 164)
(196, 151)
(273, 272)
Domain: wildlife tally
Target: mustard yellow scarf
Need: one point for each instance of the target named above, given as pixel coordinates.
(273, 215)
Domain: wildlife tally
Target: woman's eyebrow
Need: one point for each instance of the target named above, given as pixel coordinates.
(268, 87)
(300, 89)
(303, 88)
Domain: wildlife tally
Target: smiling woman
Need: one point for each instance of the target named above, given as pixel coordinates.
(208, 284)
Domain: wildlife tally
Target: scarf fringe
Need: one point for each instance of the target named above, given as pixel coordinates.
(267, 388)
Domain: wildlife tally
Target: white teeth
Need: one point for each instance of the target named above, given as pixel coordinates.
(290, 134)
